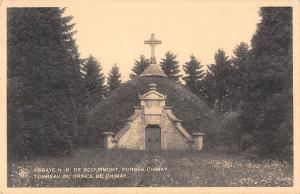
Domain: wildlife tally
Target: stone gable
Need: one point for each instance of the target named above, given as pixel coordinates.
(153, 126)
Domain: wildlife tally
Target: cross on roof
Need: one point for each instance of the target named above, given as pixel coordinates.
(152, 42)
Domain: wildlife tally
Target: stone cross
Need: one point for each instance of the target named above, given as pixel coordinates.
(152, 42)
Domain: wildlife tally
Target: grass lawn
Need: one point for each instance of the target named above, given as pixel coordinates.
(99, 168)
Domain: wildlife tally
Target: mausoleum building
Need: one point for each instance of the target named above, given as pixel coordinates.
(153, 126)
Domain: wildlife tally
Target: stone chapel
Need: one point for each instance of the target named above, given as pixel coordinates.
(153, 126)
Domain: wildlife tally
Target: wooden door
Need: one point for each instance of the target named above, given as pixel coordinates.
(153, 137)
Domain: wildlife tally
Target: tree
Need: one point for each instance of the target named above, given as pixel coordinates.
(241, 55)
(170, 66)
(19, 135)
(113, 80)
(139, 66)
(240, 62)
(194, 75)
(267, 115)
(218, 82)
(231, 132)
(93, 79)
(44, 71)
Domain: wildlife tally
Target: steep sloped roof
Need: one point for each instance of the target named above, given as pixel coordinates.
(153, 70)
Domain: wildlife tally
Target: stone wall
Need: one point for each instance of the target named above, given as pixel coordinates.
(171, 137)
(134, 137)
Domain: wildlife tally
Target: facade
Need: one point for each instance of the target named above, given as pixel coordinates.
(153, 126)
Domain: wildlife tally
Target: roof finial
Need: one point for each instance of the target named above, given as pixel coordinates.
(152, 69)
(152, 42)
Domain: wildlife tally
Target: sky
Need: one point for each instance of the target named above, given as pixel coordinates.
(115, 32)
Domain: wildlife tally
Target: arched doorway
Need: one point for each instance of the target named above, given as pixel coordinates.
(153, 137)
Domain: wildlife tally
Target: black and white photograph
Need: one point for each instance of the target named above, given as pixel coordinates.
(140, 94)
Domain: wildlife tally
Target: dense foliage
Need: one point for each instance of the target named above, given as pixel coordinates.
(139, 66)
(254, 89)
(45, 86)
(170, 66)
(267, 113)
(114, 78)
(194, 75)
(93, 80)
(219, 82)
